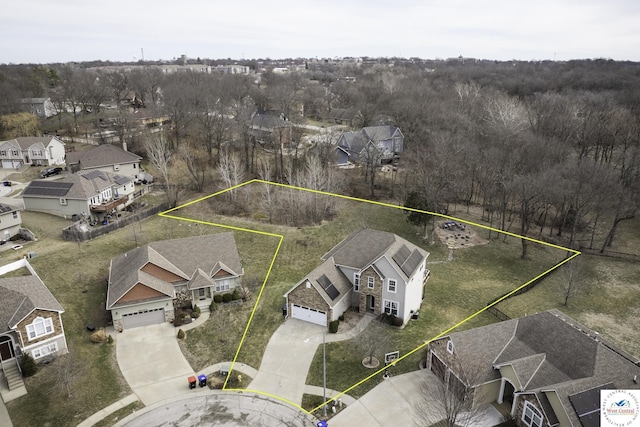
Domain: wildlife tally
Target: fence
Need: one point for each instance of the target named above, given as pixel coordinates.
(72, 233)
(610, 254)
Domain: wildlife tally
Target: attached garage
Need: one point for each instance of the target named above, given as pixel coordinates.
(143, 318)
(309, 315)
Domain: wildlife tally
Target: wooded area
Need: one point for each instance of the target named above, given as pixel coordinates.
(547, 149)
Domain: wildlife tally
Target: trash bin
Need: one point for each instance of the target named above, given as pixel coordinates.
(322, 423)
(202, 380)
(192, 382)
(284, 310)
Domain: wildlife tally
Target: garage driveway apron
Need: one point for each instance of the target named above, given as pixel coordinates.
(151, 362)
(286, 360)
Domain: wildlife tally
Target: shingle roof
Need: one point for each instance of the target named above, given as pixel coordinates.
(186, 258)
(27, 141)
(365, 246)
(19, 296)
(379, 133)
(102, 155)
(83, 185)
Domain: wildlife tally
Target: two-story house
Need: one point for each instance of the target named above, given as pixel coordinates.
(106, 158)
(32, 150)
(92, 195)
(30, 320)
(373, 271)
(145, 282)
(378, 144)
(10, 222)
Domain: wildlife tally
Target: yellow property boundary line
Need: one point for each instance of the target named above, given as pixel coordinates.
(280, 237)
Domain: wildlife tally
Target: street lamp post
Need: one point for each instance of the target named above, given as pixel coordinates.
(324, 374)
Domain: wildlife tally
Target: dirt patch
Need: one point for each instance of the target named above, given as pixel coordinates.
(457, 235)
(351, 319)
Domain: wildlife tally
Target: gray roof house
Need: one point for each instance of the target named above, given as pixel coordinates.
(106, 158)
(373, 271)
(30, 319)
(145, 282)
(381, 144)
(10, 221)
(93, 195)
(548, 368)
(31, 150)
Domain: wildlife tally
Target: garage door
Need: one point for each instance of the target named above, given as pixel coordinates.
(309, 315)
(143, 318)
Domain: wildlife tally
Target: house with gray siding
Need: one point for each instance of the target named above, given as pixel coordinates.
(31, 150)
(106, 158)
(10, 222)
(93, 195)
(146, 282)
(546, 368)
(372, 271)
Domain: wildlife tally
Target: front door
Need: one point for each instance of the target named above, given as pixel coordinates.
(6, 348)
(201, 293)
(371, 303)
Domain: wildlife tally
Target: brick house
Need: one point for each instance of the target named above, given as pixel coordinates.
(373, 271)
(547, 368)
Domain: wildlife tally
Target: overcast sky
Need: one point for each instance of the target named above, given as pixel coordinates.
(43, 31)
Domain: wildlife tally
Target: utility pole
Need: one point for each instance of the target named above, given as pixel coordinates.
(324, 375)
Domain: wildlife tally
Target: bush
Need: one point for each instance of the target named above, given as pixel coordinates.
(180, 334)
(397, 321)
(28, 365)
(196, 311)
(236, 295)
(217, 298)
(109, 339)
(341, 318)
(227, 297)
(333, 326)
(177, 321)
(213, 306)
(98, 336)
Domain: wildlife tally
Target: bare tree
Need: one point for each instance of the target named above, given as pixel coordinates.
(67, 370)
(231, 172)
(374, 339)
(574, 280)
(161, 155)
(450, 400)
(196, 162)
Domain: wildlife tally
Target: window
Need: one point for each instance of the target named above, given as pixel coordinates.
(370, 282)
(450, 346)
(40, 327)
(531, 416)
(3, 152)
(391, 307)
(63, 201)
(15, 152)
(391, 285)
(15, 215)
(356, 282)
(44, 350)
(135, 166)
(222, 285)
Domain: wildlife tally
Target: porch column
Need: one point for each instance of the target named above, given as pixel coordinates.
(501, 394)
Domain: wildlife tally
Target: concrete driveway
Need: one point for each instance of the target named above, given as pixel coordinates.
(394, 401)
(286, 360)
(151, 362)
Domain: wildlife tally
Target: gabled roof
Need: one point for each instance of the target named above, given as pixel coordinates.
(380, 133)
(102, 155)
(187, 258)
(25, 142)
(4, 209)
(549, 352)
(82, 186)
(328, 281)
(19, 296)
(366, 246)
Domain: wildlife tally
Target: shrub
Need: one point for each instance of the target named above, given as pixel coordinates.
(236, 295)
(341, 318)
(177, 321)
(213, 306)
(333, 326)
(98, 336)
(227, 297)
(217, 298)
(397, 321)
(180, 334)
(109, 339)
(28, 365)
(196, 311)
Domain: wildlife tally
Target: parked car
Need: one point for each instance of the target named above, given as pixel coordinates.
(50, 172)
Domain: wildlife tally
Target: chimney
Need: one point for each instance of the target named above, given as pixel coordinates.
(124, 146)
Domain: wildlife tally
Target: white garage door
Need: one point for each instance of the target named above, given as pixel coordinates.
(309, 315)
(143, 318)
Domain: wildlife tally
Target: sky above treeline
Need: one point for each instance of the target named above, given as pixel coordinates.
(39, 31)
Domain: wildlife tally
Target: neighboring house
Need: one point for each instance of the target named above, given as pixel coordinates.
(375, 271)
(342, 116)
(10, 222)
(93, 195)
(546, 367)
(106, 158)
(30, 317)
(31, 150)
(145, 282)
(41, 107)
(270, 127)
(379, 144)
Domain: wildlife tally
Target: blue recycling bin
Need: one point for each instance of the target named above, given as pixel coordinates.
(202, 380)
(322, 423)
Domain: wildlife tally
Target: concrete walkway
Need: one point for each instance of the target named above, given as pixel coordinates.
(104, 413)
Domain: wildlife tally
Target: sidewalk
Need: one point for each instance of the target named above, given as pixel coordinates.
(104, 413)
